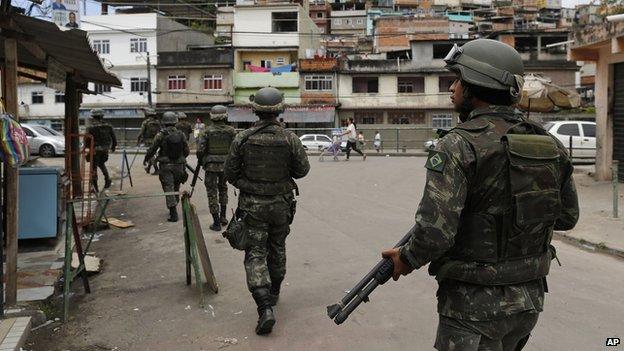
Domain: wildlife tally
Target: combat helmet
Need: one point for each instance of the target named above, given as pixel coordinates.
(169, 118)
(97, 113)
(149, 112)
(218, 113)
(181, 115)
(489, 64)
(268, 100)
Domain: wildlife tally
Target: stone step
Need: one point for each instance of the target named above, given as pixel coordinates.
(13, 333)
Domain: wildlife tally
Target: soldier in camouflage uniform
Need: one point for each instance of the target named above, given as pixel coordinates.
(184, 125)
(262, 163)
(149, 128)
(497, 186)
(172, 150)
(212, 148)
(103, 140)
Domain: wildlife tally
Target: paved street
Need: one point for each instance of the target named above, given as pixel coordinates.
(347, 213)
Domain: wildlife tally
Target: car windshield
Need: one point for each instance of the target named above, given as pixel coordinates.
(43, 131)
(548, 125)
(54, 132)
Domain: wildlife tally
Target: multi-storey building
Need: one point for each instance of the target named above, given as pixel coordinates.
(320, 13)
(348, 23)
(401, 94)
(268, 40)
(395, 33)
(39, 104)
(193, 81)
(128, 44)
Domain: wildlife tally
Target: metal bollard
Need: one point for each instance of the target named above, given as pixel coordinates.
(616, 195)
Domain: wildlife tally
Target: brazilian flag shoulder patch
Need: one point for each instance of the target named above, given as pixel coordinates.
(436, 161)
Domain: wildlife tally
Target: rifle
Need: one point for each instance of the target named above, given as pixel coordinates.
(195, 176)
(380, 274)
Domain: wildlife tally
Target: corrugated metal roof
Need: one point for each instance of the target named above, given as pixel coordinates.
(69, 47)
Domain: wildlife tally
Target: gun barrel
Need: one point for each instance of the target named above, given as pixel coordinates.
(359, 298)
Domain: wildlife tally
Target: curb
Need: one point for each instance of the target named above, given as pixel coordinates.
(15, 332)
(589, 246)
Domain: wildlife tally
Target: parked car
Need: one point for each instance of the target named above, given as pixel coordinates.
(583, 136)
(315, 141)
(44, 141)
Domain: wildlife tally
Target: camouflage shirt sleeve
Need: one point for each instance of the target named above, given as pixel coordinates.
(437, 217)
(233, 162)
(201, 146)
(569, 198)
(299, 166)
(142, 131)
(113, 137)
(155, 146)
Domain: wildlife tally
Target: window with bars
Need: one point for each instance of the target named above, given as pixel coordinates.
(406, 85)
(213, 82)
(368, 117)
(138, 85)
(442, 121)
(59, 97)
(406, 117)
(37, 97)
(101, 46)
(101, 88)
(138, 45)
(280, 61)
(318, 83)
(177, 82)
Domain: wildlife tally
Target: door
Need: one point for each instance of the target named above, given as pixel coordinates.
(588, 143)
(308, 141)
(32, 140)
(618, 117)
(570, 131)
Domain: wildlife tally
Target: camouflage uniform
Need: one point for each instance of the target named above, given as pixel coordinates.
(185, 127)
(172, 171)
(149, 128)
(103, 140)
(268, 208)
(466, 198)
(212, 158)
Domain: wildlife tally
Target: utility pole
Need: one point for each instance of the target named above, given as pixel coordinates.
(149, 81)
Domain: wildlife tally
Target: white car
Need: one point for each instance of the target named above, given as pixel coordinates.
(315, 141)
(582, 134)
(44, 141)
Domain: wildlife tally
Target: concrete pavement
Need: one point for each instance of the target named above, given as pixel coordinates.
(347, 213)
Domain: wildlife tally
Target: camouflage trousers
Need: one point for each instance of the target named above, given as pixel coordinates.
(99, 161)
(507, 334)
(171, 175)
(268, 219)
(216, 188)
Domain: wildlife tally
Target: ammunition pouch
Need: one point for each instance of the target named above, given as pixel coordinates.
(237, 231)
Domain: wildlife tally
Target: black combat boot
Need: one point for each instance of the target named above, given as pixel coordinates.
(107, 183)
(222, 218)
(173, 214)
(275, 291)
(266, 319)
(216, 226)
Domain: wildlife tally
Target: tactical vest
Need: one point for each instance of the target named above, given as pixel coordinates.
(266, 156)
(219, 141)
(152, 128)
(101, 133)
(173, 145)
(512, 204)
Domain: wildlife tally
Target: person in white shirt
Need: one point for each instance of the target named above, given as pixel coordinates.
(377, 141)
(352, 141)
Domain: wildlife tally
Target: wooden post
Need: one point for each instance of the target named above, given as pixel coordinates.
(72, 142)
(11, 174)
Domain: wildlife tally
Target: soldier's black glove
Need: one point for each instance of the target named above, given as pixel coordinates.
(145, 161)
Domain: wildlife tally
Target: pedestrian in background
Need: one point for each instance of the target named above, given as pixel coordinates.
(198, 128)
(351, 134)
(377, 141)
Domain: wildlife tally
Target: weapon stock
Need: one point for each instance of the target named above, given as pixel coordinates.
(380, 274)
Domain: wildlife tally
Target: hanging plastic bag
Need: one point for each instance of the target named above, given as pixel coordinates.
(14, 150)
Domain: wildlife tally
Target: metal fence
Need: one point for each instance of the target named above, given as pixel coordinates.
(392, 139)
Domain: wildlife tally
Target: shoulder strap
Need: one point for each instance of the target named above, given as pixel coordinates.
(256, 131)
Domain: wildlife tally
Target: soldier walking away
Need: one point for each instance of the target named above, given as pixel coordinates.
(184, 126)
(497, 186)
(172, 150)
(262, 163)
(149, 128)
(213, 147)
(103, 140)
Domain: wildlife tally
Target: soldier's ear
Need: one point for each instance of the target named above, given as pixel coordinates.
(252, 97)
